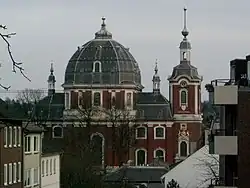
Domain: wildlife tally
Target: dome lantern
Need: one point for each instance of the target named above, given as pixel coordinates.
(103, 33)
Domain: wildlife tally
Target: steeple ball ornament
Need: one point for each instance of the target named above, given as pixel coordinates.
(185, 31)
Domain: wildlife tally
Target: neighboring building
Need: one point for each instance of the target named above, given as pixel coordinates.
(50, 170)
(230, 133)
(32, 156)
(143, 176)
(197, 171)
(103, 74)
(11, 153)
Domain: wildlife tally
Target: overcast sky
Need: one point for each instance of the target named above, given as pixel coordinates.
(51, 31)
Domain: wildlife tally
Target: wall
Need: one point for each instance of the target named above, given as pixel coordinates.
(50, 179)
(32, 160)
(12, 154)
(243, 138)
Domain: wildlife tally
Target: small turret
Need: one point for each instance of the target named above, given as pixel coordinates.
(51, 81)
(156, 80)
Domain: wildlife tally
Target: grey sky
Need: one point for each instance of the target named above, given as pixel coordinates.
(52, 30)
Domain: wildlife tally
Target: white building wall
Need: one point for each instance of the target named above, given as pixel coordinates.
(50, 171)
(32, 159)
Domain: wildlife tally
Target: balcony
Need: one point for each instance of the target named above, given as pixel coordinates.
(224, 92)
(226, 95)
(222, 145)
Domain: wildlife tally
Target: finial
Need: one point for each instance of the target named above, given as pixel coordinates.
(156, 67)
(103, 21)
(185, 31)
(51, 68)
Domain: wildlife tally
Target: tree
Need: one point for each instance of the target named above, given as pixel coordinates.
(15, 64)
(30, 96)
(173, 184)
(81, 157)
(209, 166)
(123, 132)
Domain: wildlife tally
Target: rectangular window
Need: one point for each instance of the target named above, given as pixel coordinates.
(27, 144)
(5, 174)
(54, 166)
(27, 176)
(19, 135)
(14, 173)
(14, 140)
(47, 167)
(10, 136)
(6, 137)
(19, 172)
(50, 166)
(43, 168)
(35, 144)
(10, 173)
(35, 180)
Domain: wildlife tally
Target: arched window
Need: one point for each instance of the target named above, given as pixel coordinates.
(159, 154)
(141, 157)
(97, 99)
(57, 132)
(141, 132)
(159, 132)
(97, 140)
(183, 96)
(183, 149)
(184, 55)
(97, 66)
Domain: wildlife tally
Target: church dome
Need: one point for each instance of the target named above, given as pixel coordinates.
(102, 61)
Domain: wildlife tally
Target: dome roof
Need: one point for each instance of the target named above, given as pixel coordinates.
(102, 61)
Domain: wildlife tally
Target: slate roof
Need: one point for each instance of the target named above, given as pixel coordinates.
(118, 66)
(153, 106)
(136, 174)
(52, 106)
(185, 68)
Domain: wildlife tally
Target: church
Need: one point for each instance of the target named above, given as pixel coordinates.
(104, 75)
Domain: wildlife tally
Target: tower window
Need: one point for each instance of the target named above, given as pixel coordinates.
(184, 55)
(183, 149)
(97, 99)
(184, 97)
(97, 66)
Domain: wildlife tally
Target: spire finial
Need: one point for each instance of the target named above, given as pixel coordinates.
(51, 68)
(156, 67)
(185, 31)
(103, 21)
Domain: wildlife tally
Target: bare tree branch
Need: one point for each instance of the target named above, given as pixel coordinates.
(15, 65)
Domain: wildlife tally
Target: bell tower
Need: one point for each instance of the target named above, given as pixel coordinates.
(185, 97)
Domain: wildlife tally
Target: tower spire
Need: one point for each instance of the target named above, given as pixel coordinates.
(185, 31)
(51, 81)
(156, 79)
(185, 45)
